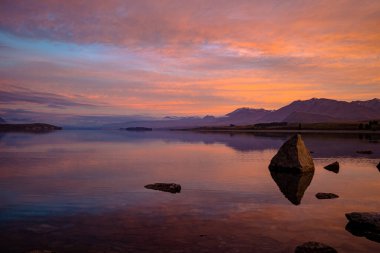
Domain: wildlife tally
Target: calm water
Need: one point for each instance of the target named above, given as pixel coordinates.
(83, 191)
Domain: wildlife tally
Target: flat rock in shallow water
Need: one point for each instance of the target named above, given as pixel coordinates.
(334, 167)
(315, 247)
(365, 219)
(166, 187)
(364, 224)
(325, 195)
(41, 251)
(293, 156)
(365, 152)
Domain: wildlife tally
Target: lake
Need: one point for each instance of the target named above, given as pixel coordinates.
(83, 191)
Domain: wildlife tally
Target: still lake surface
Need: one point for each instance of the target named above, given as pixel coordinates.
(83, 191)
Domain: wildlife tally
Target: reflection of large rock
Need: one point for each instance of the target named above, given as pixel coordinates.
(293, 156)
(292, 185)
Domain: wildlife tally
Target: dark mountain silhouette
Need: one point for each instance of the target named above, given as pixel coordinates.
(305, 117)
(241, 116)
(326, 109)
(244, 116)
(307, 111)
(372, 104)
(2, 121)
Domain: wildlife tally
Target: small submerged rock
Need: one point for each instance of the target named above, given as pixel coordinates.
(365, 152)
(166, 187)
(293, 156)
(315, 247)
(364, 224)
(334, 167)
(326, 195)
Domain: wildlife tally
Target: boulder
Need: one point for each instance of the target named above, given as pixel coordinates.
(315, 247)
(166, 187)
(378, 166)
(364, 224)
(334, 167)
(293, 156)
(324, 195)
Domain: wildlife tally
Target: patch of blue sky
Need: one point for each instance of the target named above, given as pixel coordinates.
(52, 48)
(17, 49)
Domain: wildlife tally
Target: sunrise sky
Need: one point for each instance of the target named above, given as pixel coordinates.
(185, 57)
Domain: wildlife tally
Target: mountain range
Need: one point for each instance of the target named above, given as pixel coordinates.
(315, 110)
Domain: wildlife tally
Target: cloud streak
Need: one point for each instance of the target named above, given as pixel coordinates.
(40, 98)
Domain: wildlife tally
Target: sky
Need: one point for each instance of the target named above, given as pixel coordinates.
(166, 57)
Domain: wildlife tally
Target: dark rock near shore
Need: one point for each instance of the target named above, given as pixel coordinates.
(378, 166)
(364, 224)
(323, 195)
(166, 187)
(334, 167)
(292, 185)
(367, 220)
(293, 156)
(365, 152)
(34, 127)
(314, 247)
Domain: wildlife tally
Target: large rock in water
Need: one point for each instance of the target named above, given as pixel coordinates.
(293, 156)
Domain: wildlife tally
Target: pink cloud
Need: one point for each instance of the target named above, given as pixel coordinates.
(196, 56)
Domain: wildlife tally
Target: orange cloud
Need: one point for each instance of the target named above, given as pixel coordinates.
(192, 57)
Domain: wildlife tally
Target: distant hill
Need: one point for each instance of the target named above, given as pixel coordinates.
(315, 110)
(34, 127)
(304, 117)
(246, 115)
(372, 104)
(241, 116)
(325, 109)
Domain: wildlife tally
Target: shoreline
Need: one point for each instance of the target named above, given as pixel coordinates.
(280, 131)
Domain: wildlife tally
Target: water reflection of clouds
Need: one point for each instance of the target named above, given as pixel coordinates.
(68, 176)
(322, 145)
